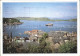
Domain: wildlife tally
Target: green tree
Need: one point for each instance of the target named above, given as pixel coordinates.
(43, 44)
(69, 47)
(45, 35)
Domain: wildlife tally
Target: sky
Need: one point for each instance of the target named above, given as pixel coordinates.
(37, 9)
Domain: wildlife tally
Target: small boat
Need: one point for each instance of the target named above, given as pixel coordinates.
(49, 24)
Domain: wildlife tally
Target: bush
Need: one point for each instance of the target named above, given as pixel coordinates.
(69, 47)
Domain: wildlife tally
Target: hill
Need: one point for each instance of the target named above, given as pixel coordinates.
(42, 19)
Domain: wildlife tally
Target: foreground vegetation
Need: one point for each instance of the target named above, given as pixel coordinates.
(69, 47)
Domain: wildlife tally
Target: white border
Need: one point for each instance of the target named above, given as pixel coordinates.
(78, 27)
(52, 54)
(0, 28)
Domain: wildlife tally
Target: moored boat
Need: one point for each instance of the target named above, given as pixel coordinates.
(49, 24)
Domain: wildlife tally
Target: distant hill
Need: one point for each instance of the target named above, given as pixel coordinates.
(73, 20)
(42, 19)
(36, 19)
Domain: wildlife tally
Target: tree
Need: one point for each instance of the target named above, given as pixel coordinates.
(43, 44)
(69, 47)
(45, 35)
(41, 39)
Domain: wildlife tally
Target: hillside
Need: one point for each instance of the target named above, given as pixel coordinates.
(42, 19)
(32, 18)
(11, 21)
(73, 20)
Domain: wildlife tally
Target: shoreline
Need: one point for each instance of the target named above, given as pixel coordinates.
(12, 23)
(27, 34)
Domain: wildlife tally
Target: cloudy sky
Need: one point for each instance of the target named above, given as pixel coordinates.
(44, 9)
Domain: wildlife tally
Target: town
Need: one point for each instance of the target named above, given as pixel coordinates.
(52, 39)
